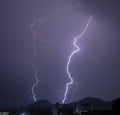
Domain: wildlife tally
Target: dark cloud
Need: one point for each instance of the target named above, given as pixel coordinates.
(95, 68)
(107, 10)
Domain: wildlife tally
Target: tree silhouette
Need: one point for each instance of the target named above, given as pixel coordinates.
(116, 105)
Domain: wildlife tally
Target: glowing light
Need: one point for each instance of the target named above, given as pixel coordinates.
(71, 56)
(36, 35)
(23, 114)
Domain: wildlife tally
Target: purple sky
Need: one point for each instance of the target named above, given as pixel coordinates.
(96, 68)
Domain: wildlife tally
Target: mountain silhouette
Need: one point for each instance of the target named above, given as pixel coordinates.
(40, 104)
(95, 103)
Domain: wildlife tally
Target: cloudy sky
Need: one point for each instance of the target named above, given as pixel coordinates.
(95, 69)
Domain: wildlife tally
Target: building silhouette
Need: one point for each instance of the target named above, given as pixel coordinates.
(62, 109)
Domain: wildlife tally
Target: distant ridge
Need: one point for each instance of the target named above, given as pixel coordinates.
(40, 103)
(95, 103)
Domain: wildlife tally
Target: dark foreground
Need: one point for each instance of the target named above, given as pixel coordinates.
(46, 108)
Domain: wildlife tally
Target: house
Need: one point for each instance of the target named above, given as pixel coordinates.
(62, 109)
(5, 112)
(83, 109)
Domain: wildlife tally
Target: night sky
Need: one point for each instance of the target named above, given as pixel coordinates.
(95, 69)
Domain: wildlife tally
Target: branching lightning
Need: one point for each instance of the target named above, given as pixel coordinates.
(36, 35)
(36, 83)
(77, 49)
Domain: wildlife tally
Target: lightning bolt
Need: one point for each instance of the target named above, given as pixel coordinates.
(77, 49)
(36, 35)
(36, 83)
